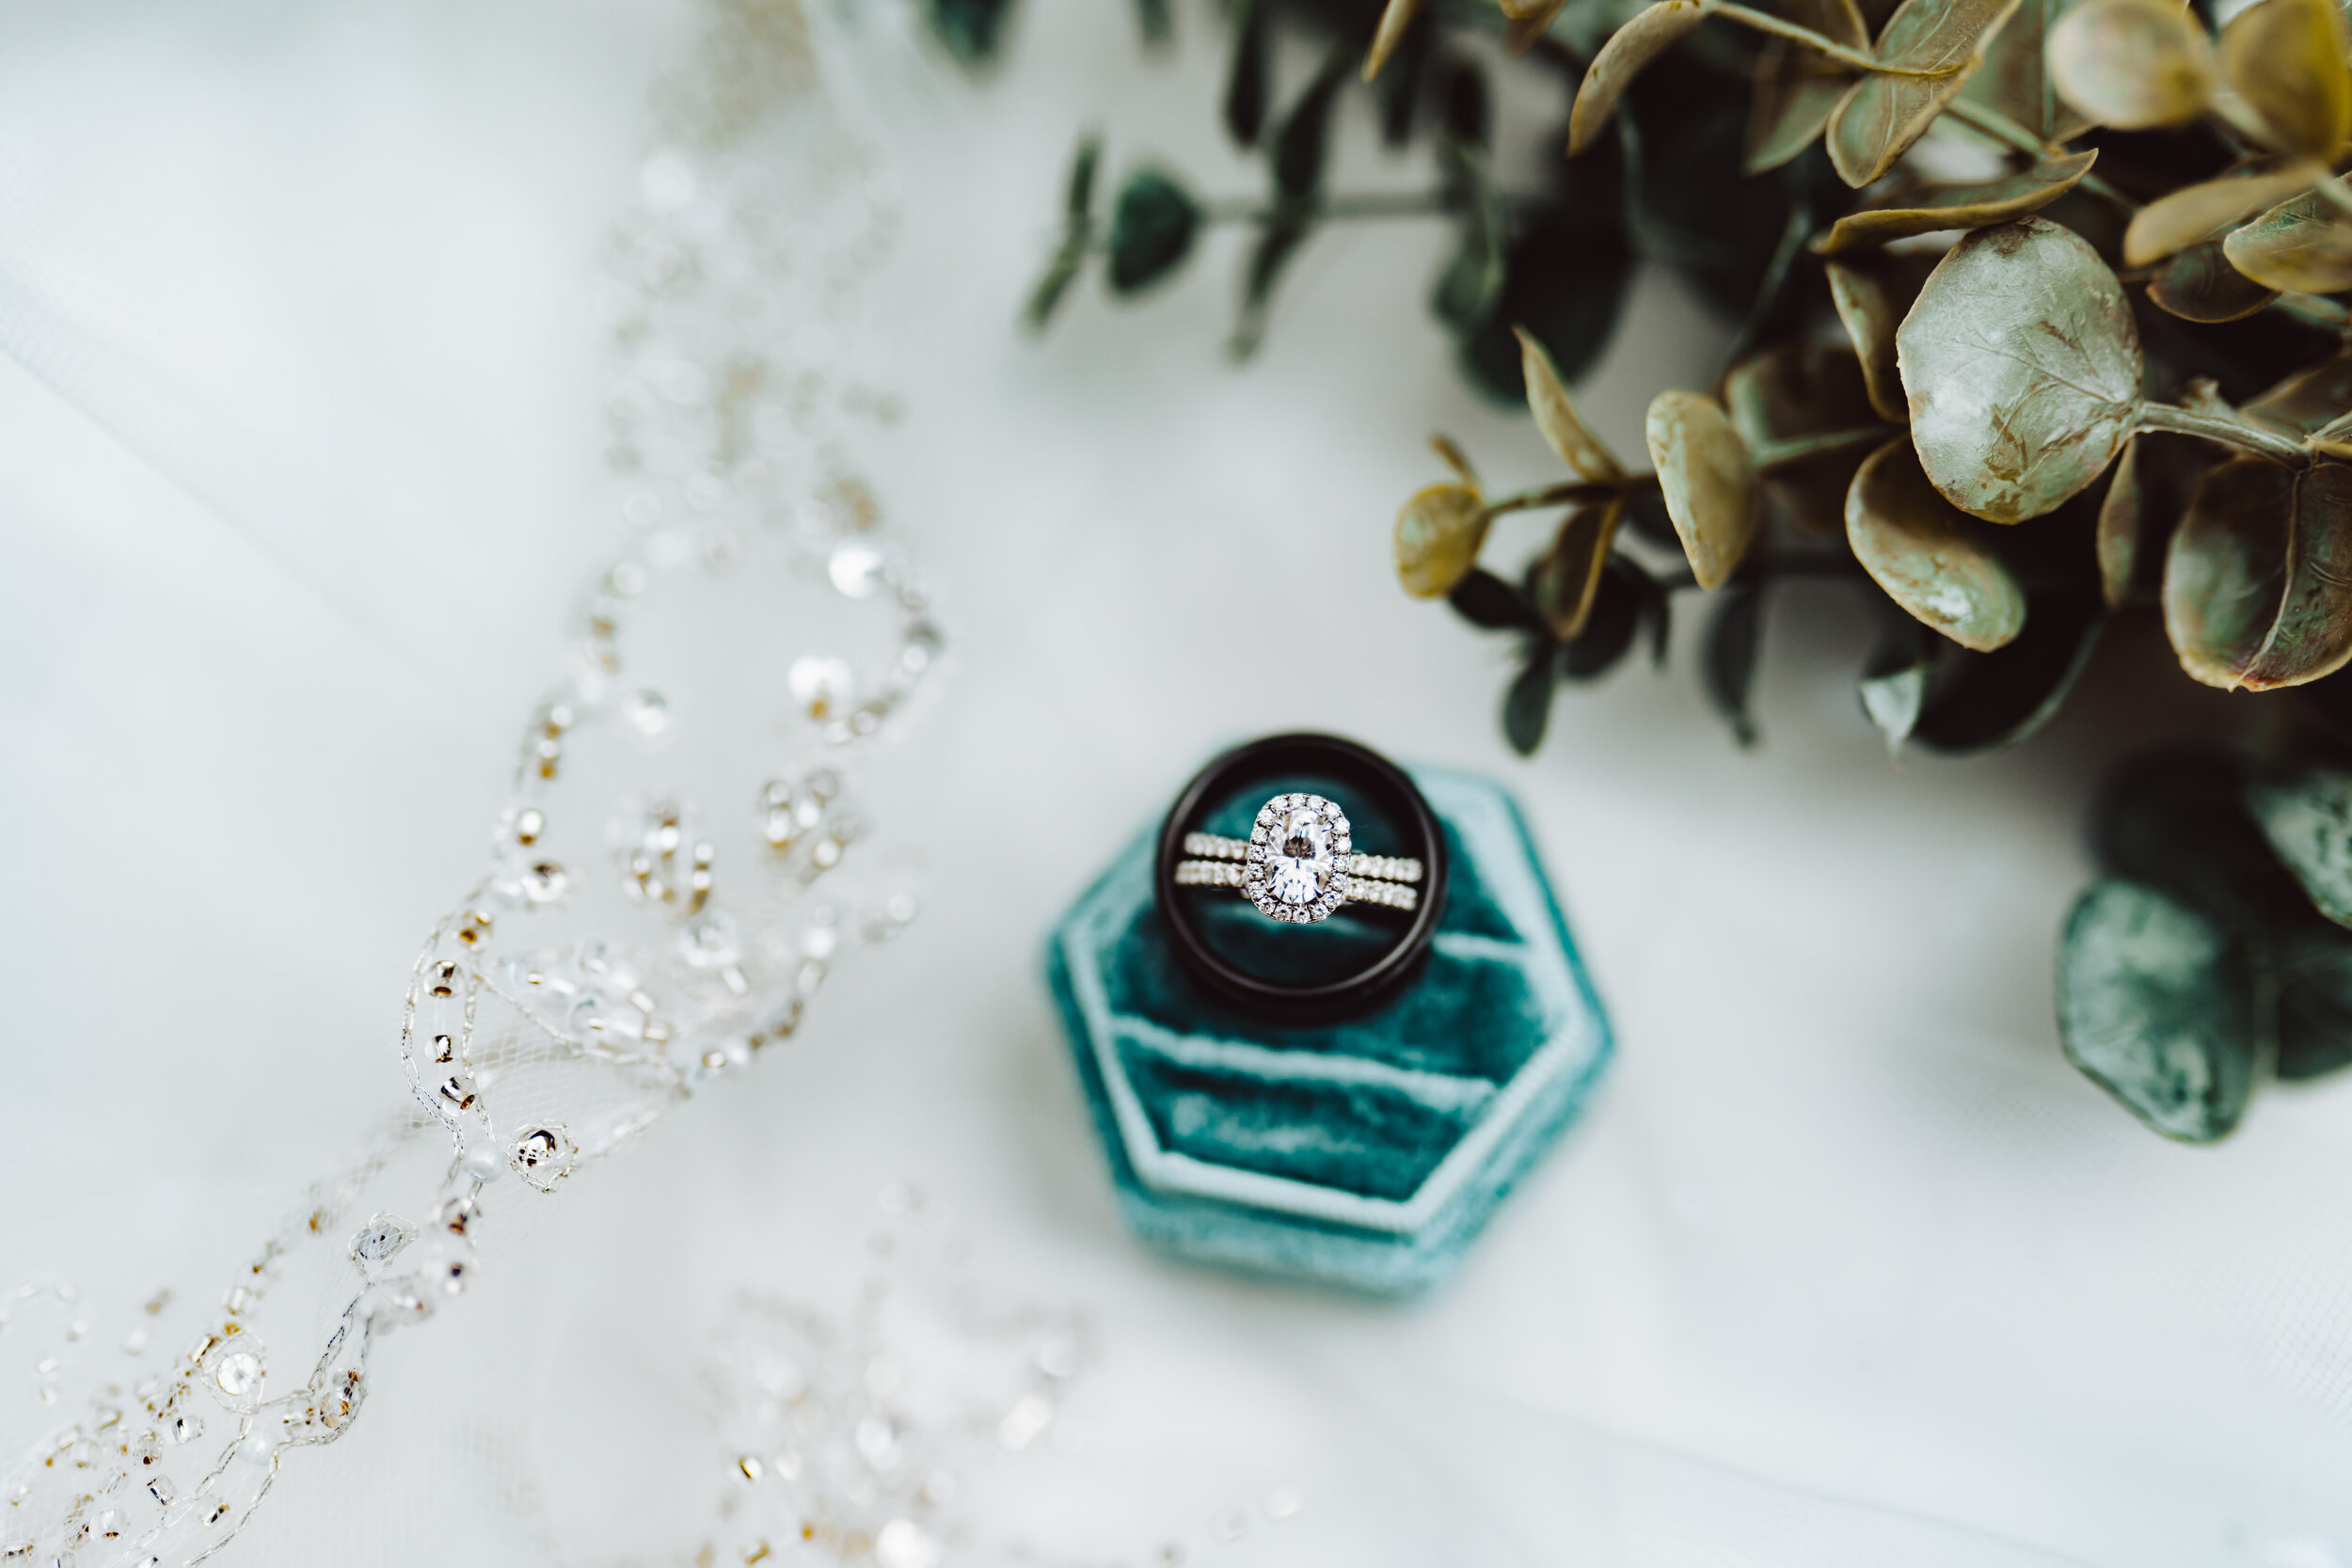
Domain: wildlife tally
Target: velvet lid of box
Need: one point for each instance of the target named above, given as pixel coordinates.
(1366, 1151)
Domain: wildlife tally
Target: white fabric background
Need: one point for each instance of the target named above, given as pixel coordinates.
(299, 481)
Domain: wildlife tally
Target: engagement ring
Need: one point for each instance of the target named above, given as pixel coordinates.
(1297, 863)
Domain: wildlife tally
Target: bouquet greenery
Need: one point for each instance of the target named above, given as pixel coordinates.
(2105, 375)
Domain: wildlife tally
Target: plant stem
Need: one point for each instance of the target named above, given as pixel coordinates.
(1854, 59)
(1384, 205)
(1991, 122)
(2229, 429)
(1550, 494)
(1773, 455)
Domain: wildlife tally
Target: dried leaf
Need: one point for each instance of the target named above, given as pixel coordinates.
(1394, 19)
(1934, 559)
(2200, 212)
(2132, 64)
(2157, 1006)
(2303, 246)
(1565, 577)
(1437, 536)
(1651, 33)
(2200, 285)
(1872, 295)
(1556, 417)
(1797, 88)
(2253, 592)
(2306, 815)
(1941, 206)
(2310, 399)
(1877, 122)
(2152, 484)
(1153, 227)
(1983, 701)
(2023, 369)
(1452, 457)
(1707, 479)
(2287, 61)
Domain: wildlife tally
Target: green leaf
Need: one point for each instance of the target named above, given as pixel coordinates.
(970, 29)
(1735, 636)
(1078, 190)
(2199, 284)
(2313, 974)
(1436, 539)
(1527, 703)
(1630, 48)
(1153, 227)
(1935, 561)
(1047, 296)
(1621, 591)
(1077, 230)
(1803, 409)
(2310, 399)
(2253, 580)
(1941, 206)
(1156, 22)
(1872, 293)
(1894, 685)
(1877, 122)
(1985, 701)
(2195, 212)
(1487, 602)
(2014, 80)
(2145, 500)
(2023, 369)
(1565, 284)
(2157, 1006)
(1709, 482)
(1277, 242)
(2302, 246)
(2178, 821)
(1472, 282)
(1249, 76)
(2306, 815)
(1566, 579)
(2285, 59)
(1796, 88)
(1303, 143)
(2132, 64)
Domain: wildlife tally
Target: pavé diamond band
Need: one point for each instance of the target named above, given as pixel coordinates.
(1298, 864)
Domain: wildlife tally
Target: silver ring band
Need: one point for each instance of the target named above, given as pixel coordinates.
(1298, 864)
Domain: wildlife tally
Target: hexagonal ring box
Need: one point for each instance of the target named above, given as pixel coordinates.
(1365, 1152)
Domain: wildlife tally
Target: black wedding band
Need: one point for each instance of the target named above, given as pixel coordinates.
(1369, 784)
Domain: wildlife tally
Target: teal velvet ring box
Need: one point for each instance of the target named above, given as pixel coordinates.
(1365, 1152)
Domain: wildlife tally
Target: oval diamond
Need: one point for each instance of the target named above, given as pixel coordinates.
(1298, 861)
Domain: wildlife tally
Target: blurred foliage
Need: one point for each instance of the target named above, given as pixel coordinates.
(2110, 374)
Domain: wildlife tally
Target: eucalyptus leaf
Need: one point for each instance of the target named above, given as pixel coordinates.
(2302, 246)
(1436, 539)
(1472, 282)
(1935, 561)
(1621, 593)
(2015, 81)
(2196, 212)
(1877, 122)
(2157, 1006)
(2313, 974)
(2023, 369)
(1894, 685)
(1525, 21)
(971, 29)
(1707, 481)
(1803, 412)
(1943, 207)
(2199, 284)
(1054, 286)
(1735, 638)
(1983, 701)
(1302, 145)
(1078, 189)
(1564, 282)
(1631, 47)
(1249, 73)
(2151, 490)
(2306, 815)
(2253, 579)
(1277, 242)
(1452, 457)
(1563, 428)
(2308, 400)
(1153, 227)
(1485, 601)
(2287, 61)
(2178, 821)
(2132, 64)
(1872, 295)
(1527, 702)
(1566, 579)
(1797, 87)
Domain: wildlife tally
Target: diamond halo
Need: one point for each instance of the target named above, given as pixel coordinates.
(1298, 859)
